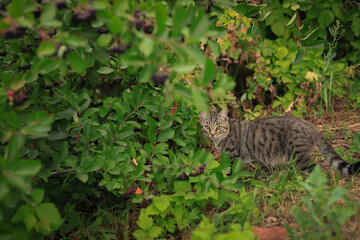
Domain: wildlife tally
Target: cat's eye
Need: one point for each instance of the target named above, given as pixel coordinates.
(207, 127)
(218, 127)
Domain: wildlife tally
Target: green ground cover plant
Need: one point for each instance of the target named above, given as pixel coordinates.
(99, 105)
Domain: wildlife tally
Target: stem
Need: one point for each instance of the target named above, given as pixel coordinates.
(153, 149)
(70, 170)
(126, 118)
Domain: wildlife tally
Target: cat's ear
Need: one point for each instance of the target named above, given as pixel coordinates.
(204, 115)
(223, 113)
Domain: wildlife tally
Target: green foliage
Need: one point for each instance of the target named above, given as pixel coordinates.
(322, 217)
(99, 104)
(186, 200)
(207, 230)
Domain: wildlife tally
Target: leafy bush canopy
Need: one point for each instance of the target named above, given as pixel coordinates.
(99, 103)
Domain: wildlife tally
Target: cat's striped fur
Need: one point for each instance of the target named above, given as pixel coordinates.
(272, 141)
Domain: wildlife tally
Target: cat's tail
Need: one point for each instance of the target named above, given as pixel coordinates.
(337, 162)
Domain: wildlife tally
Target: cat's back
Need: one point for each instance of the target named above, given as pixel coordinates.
(282, 125)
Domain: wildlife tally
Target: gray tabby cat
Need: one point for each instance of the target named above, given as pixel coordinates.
(271, 141)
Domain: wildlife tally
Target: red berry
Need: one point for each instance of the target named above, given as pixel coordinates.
(10, 93)
(147, 27)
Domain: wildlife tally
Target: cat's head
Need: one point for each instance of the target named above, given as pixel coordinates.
(215, 125)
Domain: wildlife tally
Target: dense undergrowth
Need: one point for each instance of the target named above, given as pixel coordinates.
(99, 104)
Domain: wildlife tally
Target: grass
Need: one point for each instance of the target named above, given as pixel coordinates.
(283, 190)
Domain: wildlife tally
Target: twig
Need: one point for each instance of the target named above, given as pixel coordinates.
(153, 149)
(70, 170)
(163, 167)
(126, 118)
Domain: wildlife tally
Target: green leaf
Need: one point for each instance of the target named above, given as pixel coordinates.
(12, 120)
(311, 33)
(215, 48)
(295, 7)
(182, 186)
(73, 40)
(83, 177)
(286, 3)
(12, 150)
(105, 70)
(205, 230)
(48, 14)
(38, 124)
(209, 72)
(199, 26)
(337, 194)
(151, 133)
(179, 141)
(89, 112)
(145, 222)
(76, 63)
(102, 55)
(225, 160)
(325, 17)
(278, 28)
(161, 17)
(161, 148)
(30, 221)
(236, 166)
(4, 189)
(168, 122)
(355, 26)
(155, 231)
(314, 44)
(162, 203)
(37, 195)
(146, 46)
(48, 212)
(200, 100)
(298, 56)
(166, 135)
(104, 40)
(291, 20)
(57, 135)
(140, 234)
(15, 8)
(316, 177)
(27, 167)
(247, 10)
(337, 10)
(179, 21)
(183, 67)
(45, 48)
(125, 132)
(21, 212)
(282, 53)
(47, 65)
(151, 122)
(343, 213)
(115, 25)
(300, 216)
